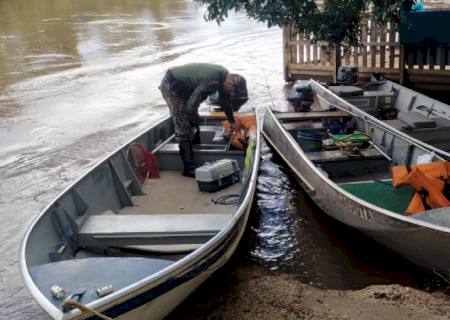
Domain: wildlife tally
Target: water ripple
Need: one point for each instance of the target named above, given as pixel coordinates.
(276, 242)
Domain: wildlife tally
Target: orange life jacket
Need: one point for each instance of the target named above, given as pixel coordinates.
(245, 125)
(429, 180)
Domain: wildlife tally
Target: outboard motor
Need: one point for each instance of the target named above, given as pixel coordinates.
(347, 74)
(301, 97)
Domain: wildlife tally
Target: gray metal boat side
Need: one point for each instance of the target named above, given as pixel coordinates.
(419, 116)
(201, 262)
(421, 242)
(342, 104)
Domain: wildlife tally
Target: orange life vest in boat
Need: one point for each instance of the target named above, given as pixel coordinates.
(429, 180)
(245, 126)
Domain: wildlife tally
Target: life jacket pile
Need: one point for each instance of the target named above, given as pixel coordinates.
(245, 126)
(431, 182)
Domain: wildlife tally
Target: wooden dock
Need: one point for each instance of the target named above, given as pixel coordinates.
(419, 66)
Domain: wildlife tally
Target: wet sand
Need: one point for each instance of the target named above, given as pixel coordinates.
(251, 293)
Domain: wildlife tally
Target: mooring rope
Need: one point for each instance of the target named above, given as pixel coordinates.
(72, 303)
(229, 199)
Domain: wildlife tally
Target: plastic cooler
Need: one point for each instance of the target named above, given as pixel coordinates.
(217, 175)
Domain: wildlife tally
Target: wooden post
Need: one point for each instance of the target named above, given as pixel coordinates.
(442, 55)
(392, 47)
(382, 47)
(373, 47)
(337, 60)
(402, 64)
(364, 43)
(286, 53)
(294, 36)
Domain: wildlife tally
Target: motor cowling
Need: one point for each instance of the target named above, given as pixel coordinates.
(347, 74)
(301, 97)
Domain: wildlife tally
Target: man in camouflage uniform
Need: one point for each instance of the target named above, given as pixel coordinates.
(185, 87)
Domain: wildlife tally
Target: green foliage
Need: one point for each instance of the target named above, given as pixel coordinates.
(337, 22)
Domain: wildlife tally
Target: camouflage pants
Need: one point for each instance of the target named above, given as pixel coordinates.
(186, 125)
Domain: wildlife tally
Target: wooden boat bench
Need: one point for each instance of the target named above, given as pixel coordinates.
(338, 164)
(203, 153)
(152, 229)
(338, 155)
(312, 115)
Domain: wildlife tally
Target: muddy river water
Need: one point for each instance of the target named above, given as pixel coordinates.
(80, 78)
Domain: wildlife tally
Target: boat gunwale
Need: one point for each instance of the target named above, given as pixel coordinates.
(348, 107)
(156, 278)
(409, 220)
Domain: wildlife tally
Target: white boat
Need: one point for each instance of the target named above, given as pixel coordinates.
(357, 189)
(110, 245)
(409, 111)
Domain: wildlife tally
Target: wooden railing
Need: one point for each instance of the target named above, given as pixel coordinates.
(379, 51)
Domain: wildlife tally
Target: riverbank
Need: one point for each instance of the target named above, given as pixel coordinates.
(252, 292)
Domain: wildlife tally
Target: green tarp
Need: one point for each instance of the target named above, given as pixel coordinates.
(382, 194)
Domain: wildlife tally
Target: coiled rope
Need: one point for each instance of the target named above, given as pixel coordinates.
(227, 200)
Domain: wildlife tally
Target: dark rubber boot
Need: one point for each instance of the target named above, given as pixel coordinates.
(187, 156)
(196, 140)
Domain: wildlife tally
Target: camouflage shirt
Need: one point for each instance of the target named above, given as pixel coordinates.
(195, 81)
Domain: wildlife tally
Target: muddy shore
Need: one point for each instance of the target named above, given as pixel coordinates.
(252, 292)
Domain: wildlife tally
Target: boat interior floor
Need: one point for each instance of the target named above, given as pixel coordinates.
(174, 193)
(172, 217)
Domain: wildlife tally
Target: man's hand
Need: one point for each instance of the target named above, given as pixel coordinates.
(233, 128)
(229, 133)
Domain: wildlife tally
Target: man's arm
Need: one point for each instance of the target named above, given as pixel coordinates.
(200, 94)
(226, 106)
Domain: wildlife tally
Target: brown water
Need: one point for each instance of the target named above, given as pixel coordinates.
(79, 78)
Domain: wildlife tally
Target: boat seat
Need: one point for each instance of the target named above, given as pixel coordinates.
(398, 124)
(416, 120)
(77, 275)
(339, 165)
(154, 229)
(175, 148)
(346, 91)
(312, 115)
(338, 155)
(169, 155)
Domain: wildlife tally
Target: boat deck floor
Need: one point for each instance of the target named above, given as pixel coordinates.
(176, 194)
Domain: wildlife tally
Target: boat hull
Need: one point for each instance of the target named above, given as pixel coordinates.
(421, 243)
(161, 306)
(155, 295)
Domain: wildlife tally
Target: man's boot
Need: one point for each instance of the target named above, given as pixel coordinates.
(196, 139)
(187, 156)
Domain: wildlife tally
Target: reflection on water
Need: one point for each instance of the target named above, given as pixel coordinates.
(276, 245)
